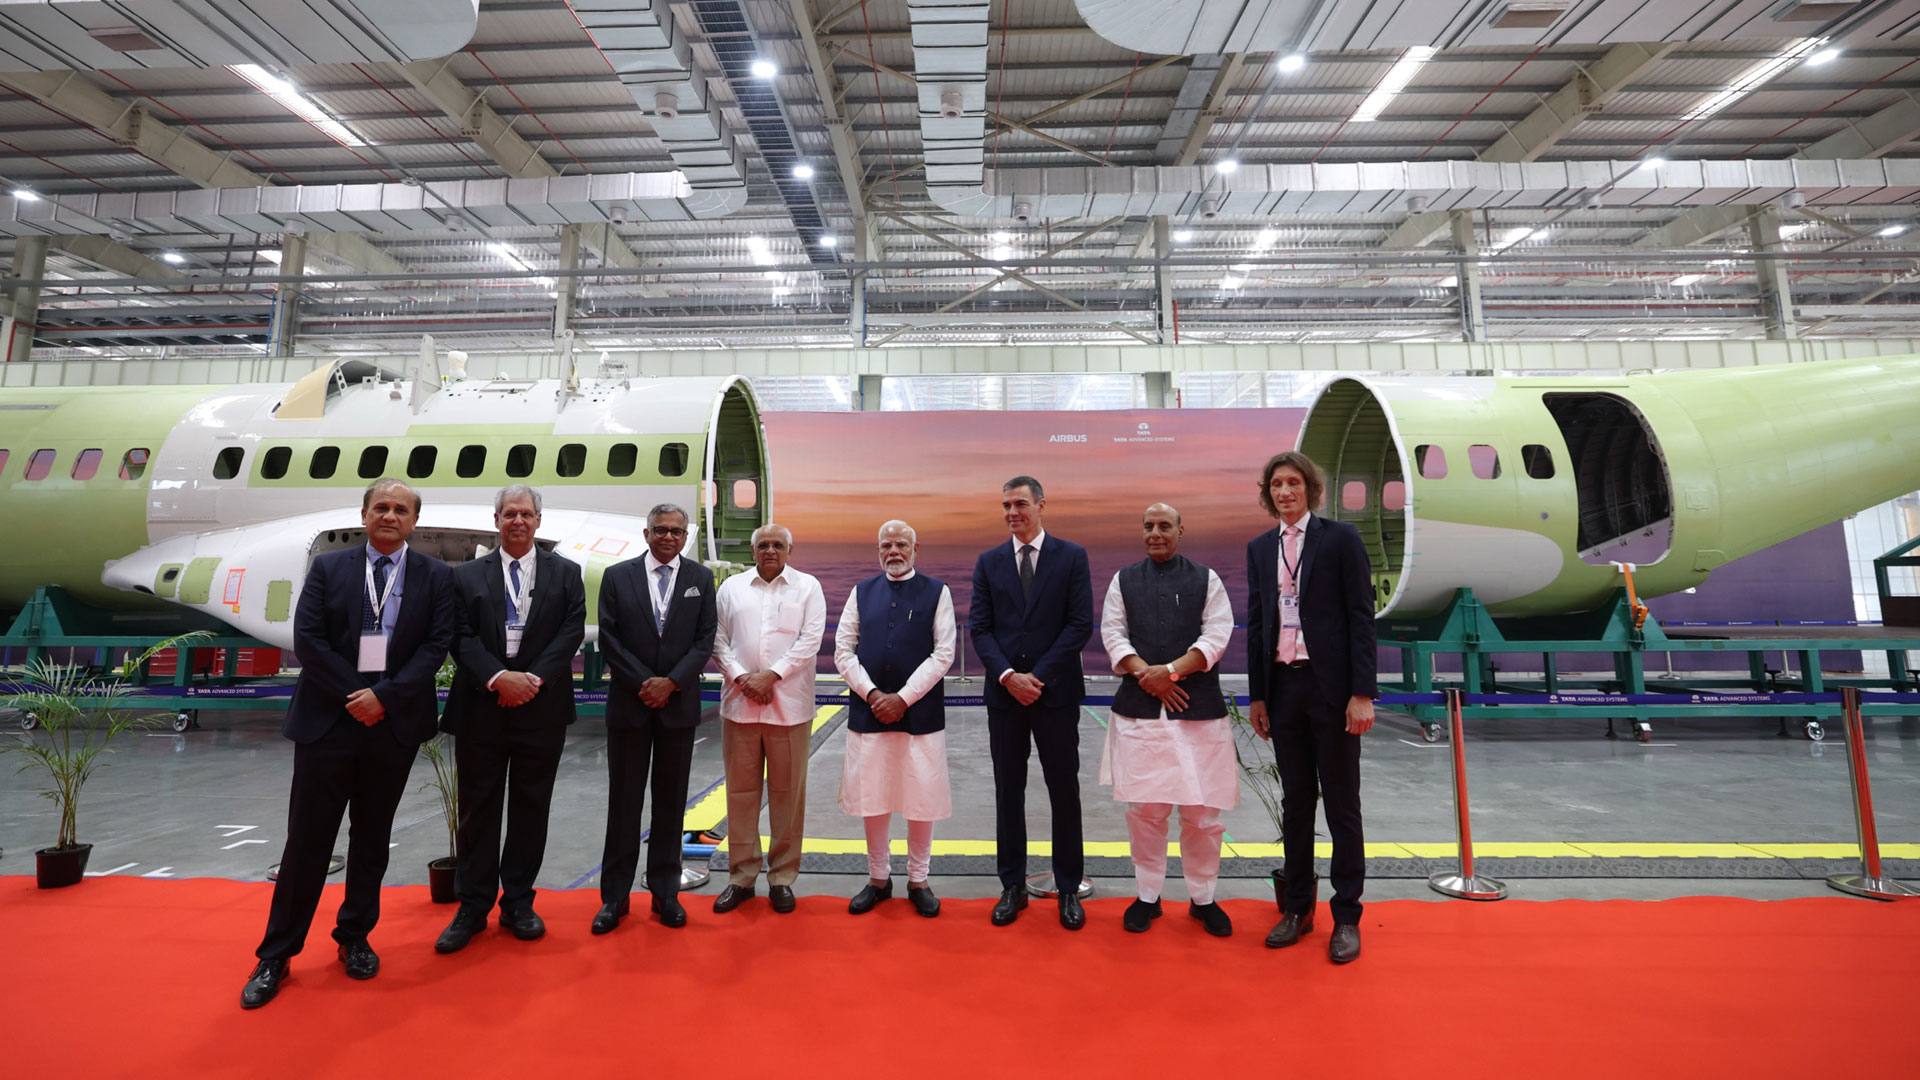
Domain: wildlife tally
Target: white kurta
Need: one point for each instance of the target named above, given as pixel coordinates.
(893, 772)
(1159, 759)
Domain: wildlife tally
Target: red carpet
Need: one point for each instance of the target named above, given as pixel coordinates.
(119, 977)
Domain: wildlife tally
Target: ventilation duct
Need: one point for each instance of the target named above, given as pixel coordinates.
(383, 208)
(1384, 188)
(950, 64)
(654, 60)
(44, 35)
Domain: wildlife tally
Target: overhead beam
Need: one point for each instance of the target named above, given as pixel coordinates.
(113, 255)
(130, 126)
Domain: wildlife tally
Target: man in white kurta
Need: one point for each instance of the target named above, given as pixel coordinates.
(894, 645)
(766, 647)
(1164, 623)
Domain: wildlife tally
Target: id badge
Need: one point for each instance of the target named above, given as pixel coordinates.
(514, 634)
(373, 652)
(1290, 612)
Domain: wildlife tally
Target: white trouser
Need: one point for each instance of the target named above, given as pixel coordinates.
(1200, 833)
(919, 849)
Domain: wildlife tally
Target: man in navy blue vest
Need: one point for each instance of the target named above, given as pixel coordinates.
(894, 646)
(1165, 622)
(1031, 614)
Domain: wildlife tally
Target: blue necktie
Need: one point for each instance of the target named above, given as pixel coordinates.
(660, 602)
(369, 618)
(513, 609)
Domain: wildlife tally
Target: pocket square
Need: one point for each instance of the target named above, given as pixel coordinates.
(692, 590)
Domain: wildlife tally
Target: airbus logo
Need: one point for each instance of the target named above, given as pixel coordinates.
(1066, 438)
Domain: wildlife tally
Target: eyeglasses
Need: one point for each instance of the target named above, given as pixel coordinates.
(667, 530)
(519, 515)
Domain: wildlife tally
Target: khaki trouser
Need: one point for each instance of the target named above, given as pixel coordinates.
(779, 754)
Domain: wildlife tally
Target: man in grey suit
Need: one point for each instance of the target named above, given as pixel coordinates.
(657, 623)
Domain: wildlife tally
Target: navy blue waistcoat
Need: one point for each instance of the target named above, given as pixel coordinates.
(1166, 603)
(896, 636)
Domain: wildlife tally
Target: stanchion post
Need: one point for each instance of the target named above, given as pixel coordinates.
(1868, 882)
(1463, 885)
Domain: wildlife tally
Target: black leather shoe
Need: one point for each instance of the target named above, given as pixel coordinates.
(1140, 915)
(362, 962)
(525, 925)
(1213, 918)
(263, 984)
(670, 911)
(1012, 902)
(1344, 946)
(1290, 929)
(466, 923)
(781, 897)
(922, 898)
(1072, 915)
(731, 897)
(869, 897)
(609, 918)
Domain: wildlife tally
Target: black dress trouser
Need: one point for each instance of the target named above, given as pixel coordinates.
(353, 770)
(1313, 749)
(510, 770)
(632, 754)
(1013, 733)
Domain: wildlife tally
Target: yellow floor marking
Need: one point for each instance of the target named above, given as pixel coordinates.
(1117, 849)
(712, 810)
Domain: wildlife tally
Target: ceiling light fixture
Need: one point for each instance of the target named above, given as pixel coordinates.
(289, 95)
(1231, 282)
(803, 172)
(764, 69)
(1183, 236)
(1685, 280)
(1652, 163)
(1291, 63)
(1753, 78)
(1823, 57)
(1265, 239)
(829, 240)
(506, 252)
(173, 257)
(26, 195)
(1892, 231)
(1396, 80)
(762, 253)
(1226, 166)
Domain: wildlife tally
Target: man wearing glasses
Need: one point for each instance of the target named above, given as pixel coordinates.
(657, 623)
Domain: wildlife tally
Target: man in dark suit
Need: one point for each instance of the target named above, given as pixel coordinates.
(371, 629)
(522, 617)
(1032, 613)
(1311, 660)
(657, 622)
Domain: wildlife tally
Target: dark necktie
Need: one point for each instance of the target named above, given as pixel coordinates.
(1026, 571)
(513, 608)
(369, 618)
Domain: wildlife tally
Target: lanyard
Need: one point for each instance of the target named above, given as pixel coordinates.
(520, 595)
(380, 601)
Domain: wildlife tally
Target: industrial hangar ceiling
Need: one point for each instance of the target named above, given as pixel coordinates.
(870, 172)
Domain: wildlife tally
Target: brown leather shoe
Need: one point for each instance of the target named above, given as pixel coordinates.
(1290, 930)
(731, 897)
(1344, 946)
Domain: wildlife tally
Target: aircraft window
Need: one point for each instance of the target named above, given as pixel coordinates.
(621, 459)
(39, 464)
(420, 461)
(673, 460)
(472, 462)
(1353, 495)
(87, 465)
(134, 465)
(373, 463)
(1485, 461)
(226, 464)
(325, 460)
(273, 463)
(520, 458)
(572, 460)
(746, 494)
(3, 460)
(1431, 461)
(1538, 460)
(1393, 495)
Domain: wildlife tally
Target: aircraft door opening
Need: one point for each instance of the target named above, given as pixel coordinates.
(1625, 493)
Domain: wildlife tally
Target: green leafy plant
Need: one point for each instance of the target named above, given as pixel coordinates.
(446, 775)
(78, 715)
(1261, 771)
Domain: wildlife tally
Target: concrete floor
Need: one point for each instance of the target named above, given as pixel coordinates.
(212, 802)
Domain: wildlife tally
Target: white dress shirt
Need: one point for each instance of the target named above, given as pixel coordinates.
(1039, 543)
(1280, 579)
(770, 626)
(662, 602)
(846, 642)
(520, 601)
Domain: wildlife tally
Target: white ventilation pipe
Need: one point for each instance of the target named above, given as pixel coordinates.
(950, 66)
(45, 35)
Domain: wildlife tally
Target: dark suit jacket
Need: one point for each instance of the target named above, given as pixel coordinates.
(635, 653)
(556, 624)
(1041, 635)
(1336, 609)
(326, 638)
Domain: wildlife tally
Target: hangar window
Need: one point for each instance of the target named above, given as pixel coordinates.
(420, 461)
(373, 463)
(472, 461)
(325, 460)
(673, 460)
(1353, 495)
(273, 463)
(226, 464)
(572, 460)
(1538, 460)
(1431, 461)
(1485, 461)
(621, 459)
(87, 465)
(134, 465)
(39, 465)
(520, 459)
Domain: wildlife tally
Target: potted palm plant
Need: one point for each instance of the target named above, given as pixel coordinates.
(446, 783)
(78, 715)
(1261, 772)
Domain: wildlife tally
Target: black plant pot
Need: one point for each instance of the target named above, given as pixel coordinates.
(56, 868)
(440, 881)
(1280, 889)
